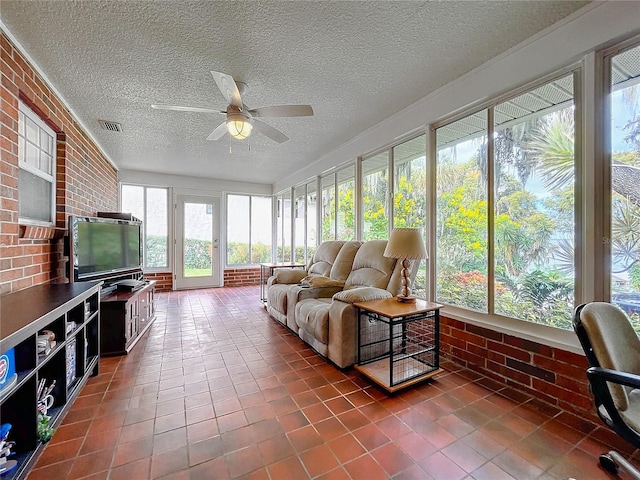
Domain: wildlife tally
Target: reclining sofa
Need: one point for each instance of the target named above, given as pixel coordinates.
(324, 316)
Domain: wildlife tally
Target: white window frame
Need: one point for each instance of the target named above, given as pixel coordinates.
(273, 227)
(548, 335)
(25, 112)
(170, 241)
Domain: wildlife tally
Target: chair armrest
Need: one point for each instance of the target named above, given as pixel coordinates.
(317, 292)
(287, 275)
(599, 374)
(598, 378)
(362, 294)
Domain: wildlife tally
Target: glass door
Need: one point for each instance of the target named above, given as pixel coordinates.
(197, 242)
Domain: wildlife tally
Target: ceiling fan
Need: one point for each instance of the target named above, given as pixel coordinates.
(240, 118)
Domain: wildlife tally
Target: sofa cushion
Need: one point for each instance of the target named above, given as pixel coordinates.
(324, 258)
(362, 294)
(287, 275)
(296, 293)
(344, 261)
(370, 267)
(312, 316)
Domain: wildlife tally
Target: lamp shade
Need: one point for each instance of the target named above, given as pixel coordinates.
(405, 243)
(239, 125)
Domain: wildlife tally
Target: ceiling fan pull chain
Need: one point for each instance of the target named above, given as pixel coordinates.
(229, 143)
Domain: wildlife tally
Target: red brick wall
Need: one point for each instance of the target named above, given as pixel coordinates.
(164, 280)
(553, 375)
(235, 277)
(85, 181)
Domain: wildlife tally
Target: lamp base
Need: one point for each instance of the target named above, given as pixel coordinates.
(406, 299)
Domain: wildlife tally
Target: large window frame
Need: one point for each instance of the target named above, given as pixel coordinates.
(251, 203)
(143, 215)
(37, 159)
(284, 224)
(466, 116)
(619, 201)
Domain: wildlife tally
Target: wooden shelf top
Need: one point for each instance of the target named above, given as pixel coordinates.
(393, 308)
(19, 309)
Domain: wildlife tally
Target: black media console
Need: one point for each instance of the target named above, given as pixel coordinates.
(124, 317)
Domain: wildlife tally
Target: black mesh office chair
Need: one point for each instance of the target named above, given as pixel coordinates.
(613, 353)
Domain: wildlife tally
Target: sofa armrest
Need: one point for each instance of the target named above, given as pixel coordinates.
(287, 275)
(317, 292)
(343, 323)
(362, 294)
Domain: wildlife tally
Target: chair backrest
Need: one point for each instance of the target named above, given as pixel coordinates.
(610, 342)
(344, 261)
(370, 267)
(324, 258)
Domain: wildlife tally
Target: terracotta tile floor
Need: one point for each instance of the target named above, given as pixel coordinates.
(217, 389)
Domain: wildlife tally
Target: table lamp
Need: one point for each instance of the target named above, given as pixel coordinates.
(405, 244)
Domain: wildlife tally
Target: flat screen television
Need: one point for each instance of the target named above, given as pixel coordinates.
(101, 248)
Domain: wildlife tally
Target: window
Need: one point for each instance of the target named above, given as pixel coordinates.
(329, 207)
(151, 205)
(249, 229)
(346, 206)
(299, 225)
(534, 209)
(37, 168)
(410, 196)
(375, 196)
(510, 253)
(461, 214)
(338, 205)
(624, 105)
(283, 225)
(238, 226)
(312, 201)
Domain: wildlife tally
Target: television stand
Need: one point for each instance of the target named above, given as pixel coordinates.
(124, 317)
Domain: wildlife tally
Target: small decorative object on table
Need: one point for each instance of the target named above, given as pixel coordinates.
(406, 244)
(44, 398)
(5, 450)
(46, 342)
(70, 357)
(45, 402)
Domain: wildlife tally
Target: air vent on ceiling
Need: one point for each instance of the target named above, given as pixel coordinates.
(111, 126)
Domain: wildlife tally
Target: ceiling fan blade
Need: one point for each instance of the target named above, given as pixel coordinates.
(228, 87)
(185, 109)
(283, 111)
(268, 131)
(219, 132)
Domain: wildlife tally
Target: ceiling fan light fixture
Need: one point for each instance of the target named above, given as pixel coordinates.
(239, 125)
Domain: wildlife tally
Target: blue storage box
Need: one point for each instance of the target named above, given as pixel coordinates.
(8, 375)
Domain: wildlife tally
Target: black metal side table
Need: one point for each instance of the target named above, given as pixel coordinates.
(398, 343)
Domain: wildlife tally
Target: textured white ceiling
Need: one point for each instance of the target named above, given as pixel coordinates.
(356, 63)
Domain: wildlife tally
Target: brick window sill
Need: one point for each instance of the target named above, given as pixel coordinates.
(39, 232)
